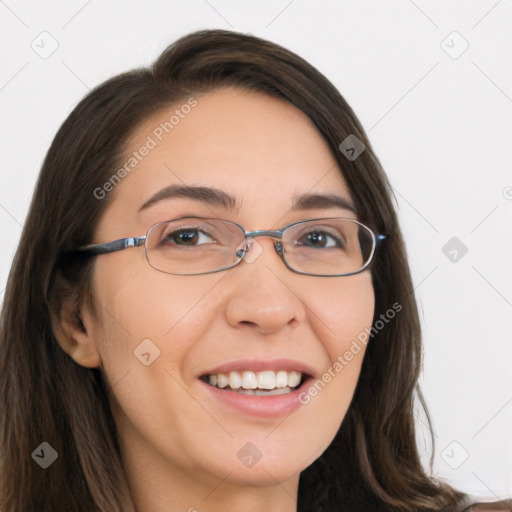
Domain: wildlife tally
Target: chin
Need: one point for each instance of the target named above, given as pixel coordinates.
(264, 476)
(267, 467)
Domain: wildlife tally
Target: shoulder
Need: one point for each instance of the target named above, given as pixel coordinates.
(495, 506)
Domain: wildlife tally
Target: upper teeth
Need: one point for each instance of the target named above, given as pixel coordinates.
(267, 379)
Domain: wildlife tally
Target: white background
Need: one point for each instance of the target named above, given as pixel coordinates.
(440, 125)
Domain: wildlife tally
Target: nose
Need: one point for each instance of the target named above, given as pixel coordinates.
(261, 295)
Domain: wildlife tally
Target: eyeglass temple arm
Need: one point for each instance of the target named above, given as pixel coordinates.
(115, 245)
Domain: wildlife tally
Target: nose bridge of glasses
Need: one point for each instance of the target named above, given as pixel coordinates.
(277, 235)
(274, 234)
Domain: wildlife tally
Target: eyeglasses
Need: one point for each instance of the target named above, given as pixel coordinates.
(193, 245)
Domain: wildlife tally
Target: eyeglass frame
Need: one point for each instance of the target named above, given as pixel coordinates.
(123, 243)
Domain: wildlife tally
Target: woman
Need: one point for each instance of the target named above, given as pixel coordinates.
(210, 307)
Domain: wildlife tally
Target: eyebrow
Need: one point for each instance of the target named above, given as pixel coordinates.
(208, 195)
(322, 201)
(216, 197)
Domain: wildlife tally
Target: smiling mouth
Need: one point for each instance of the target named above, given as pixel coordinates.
(264, 383)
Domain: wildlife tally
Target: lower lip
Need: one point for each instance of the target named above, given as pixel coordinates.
(271, 406)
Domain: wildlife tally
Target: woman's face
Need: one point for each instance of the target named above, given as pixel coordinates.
(258, 316)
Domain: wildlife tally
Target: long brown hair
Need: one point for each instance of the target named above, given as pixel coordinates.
(373, 462)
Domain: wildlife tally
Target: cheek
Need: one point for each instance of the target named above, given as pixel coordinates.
(149, 317)
(338, 322)
(138, 305)
(341, 311)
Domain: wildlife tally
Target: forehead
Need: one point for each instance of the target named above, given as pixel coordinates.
(259, 148)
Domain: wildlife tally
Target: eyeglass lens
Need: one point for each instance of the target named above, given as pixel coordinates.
(331, 246)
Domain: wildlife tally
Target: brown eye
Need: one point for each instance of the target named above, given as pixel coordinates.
(320, 240)
(187, 237)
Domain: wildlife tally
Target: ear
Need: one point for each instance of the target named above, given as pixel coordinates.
(73, 329)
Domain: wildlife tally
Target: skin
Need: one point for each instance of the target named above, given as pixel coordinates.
(179, 444)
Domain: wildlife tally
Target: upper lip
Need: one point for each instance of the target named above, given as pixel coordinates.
(258, 365)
